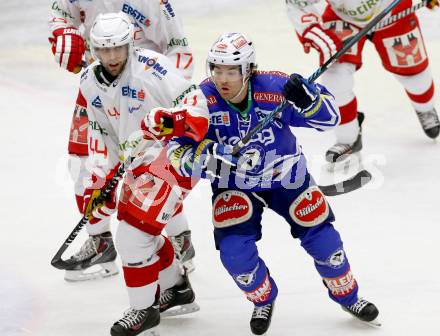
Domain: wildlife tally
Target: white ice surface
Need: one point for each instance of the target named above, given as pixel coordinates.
(391, 229)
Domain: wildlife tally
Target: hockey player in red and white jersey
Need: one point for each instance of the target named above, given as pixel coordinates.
(399, 45)
(117, 91)
(156, 27)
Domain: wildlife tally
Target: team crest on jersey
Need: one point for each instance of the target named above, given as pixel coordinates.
(220, 118)
(252, 158)
(97, 102)
(230, 208)
(310, 208)
(406, 50)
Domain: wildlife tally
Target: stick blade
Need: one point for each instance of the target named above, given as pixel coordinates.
(351, 184)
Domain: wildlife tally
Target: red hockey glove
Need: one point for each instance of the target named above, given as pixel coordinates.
(325, 41)
(168, 123)
(432, 4)
(99, 210)
(68, 48)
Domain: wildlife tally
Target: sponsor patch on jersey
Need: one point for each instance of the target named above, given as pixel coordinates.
(168, 11)
(152, 63)
(268, 97)
(262, 293)
(230, 208)
(220, 118)
(174, 42)
(133, 93)
(211, 100)
(310, 208)
(137, 15)
(342, 285)
(133, 109)
(97, 102)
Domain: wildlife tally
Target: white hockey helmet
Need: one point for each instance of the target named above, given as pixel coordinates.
(111, 30)
(233, 49)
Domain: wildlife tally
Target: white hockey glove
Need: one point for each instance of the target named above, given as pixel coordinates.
(325, 41)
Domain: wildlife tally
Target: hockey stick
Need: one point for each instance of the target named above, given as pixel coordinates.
(57, 260)
(400, 15)
(361, 177)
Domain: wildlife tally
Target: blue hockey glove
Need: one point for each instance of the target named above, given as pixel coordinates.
(302, 94)
(208, 159)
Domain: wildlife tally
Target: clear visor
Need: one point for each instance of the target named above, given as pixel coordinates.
(224, 72)
(104, 54)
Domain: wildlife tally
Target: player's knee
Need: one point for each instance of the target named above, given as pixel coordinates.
(238, 252)
(134, 245)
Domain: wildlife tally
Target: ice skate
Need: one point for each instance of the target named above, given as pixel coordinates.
(94, 260)
(365, 311)
(261, 317)
(430, 123)
(138, 322)
(178, 300)
(341, 156)
(184, 250)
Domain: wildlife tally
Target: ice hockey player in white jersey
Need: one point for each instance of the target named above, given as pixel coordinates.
(156, 27)
(399, 45)
(117, 90)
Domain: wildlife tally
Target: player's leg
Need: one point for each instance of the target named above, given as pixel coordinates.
(403, 53)
(310, 217)
(237, 221)
(339, 79)
(95, 259)
(146, 204)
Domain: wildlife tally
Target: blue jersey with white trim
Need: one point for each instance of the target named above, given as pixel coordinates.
(272, 158)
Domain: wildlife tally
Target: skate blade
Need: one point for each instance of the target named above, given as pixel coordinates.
(189, 266)
(94, 272)
(375, 323)
(344, 165)
(181, 310)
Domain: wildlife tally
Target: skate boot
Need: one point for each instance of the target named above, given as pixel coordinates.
(365, 311)
(340, 152)
(184, 250)
(94, 260)
(430, 123)
(136, 322)
(261, 317)
(178, 300)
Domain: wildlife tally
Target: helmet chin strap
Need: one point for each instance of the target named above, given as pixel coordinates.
(245, 80)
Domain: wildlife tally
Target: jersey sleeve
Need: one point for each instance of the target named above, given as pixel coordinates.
(324, 116)
(303, 13)
(64, 13)
(168, 34)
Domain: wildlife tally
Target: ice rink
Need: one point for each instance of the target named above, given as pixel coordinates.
(390, 228)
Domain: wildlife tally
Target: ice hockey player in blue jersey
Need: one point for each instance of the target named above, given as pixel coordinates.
(270, 171)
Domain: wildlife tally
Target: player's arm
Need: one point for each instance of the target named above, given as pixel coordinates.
(311, 105)
(66, 41)
(306, 19)
(189, 117)
(170, 36)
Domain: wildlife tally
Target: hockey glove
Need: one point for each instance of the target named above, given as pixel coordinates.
(325, 41)
(92, 207)
(208, 159)
(168, 123)
(68, 48)
(432, 4)
(303, 95)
